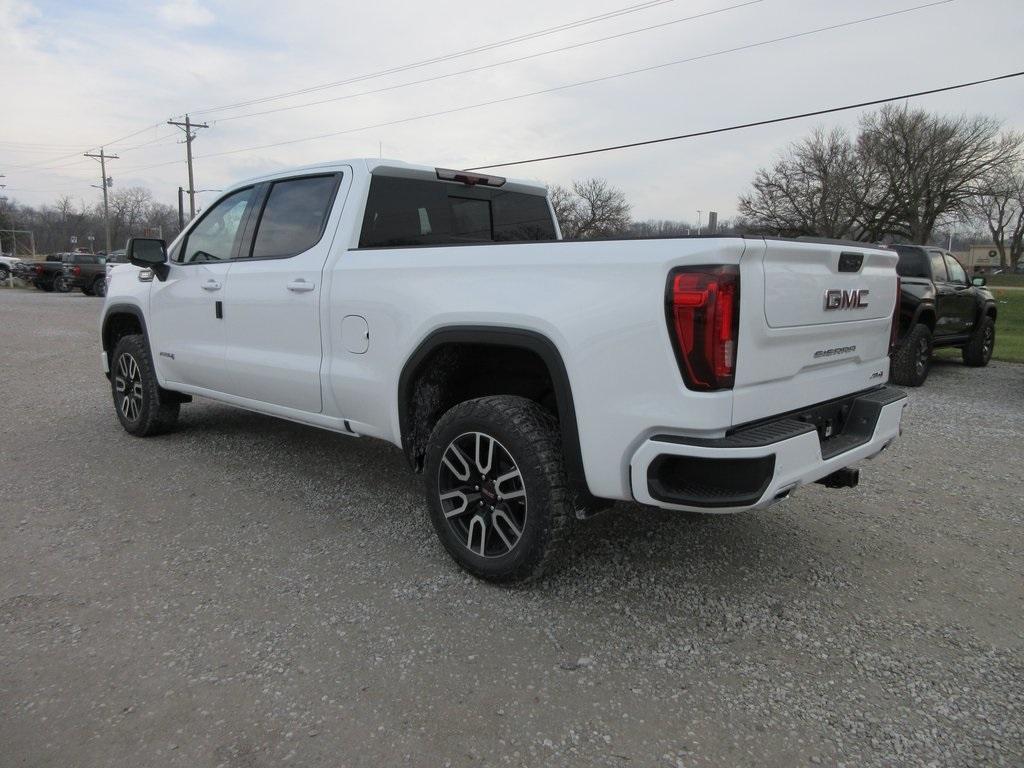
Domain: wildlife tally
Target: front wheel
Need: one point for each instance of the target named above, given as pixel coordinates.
(978, 350)
(60, 284)
(496, 488)
(143, 407)
(913, 358)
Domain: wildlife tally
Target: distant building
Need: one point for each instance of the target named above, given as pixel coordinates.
(980, 258)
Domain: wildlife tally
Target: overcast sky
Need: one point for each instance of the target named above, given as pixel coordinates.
(77, 74)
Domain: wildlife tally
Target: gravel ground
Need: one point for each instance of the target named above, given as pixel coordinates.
(246, 592)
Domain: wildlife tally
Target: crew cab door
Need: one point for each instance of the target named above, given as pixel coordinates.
(271, 313)
(186, 335)
(961, 294)
(947, 316)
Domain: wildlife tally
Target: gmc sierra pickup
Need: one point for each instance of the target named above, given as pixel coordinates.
(530, 380)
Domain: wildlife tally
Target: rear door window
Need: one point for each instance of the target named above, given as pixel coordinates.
(957, 274)
(402, 212)
(294, 216)
(938, 266)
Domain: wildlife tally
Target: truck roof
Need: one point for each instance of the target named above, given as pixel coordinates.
(389, 167)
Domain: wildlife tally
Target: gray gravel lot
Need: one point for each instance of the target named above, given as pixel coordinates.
(246, 592)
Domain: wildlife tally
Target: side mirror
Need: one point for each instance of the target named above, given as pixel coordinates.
(148, 253)
(978, 281)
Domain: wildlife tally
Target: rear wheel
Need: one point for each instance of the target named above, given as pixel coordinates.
(496, 488)
(979, 349)
(99, 287)
(913, 358)
(60, 284)
(5, 273)
(143, 407)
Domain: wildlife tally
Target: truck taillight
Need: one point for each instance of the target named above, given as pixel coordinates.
(39, 269)
(894, 332)
(76, 271)
(703, 307)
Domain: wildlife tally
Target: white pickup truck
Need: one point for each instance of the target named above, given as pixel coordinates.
(530, 380)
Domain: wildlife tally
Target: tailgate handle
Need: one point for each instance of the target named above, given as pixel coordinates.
(850, 262)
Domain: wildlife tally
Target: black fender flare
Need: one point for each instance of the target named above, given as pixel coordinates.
(501, 336)
(120, 309)
(923, 307)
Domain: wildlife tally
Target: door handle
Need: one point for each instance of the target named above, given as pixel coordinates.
(300, 286)
(211, 285)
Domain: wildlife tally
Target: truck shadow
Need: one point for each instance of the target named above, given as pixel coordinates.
(611, 556)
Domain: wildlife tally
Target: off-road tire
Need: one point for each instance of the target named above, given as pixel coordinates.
(156, 410)
(978, 351)
(529, 435)
(912, 361)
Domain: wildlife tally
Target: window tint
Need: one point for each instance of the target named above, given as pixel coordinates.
(938, 266)
(213, 238)
(293, 218)
(956, 272)
(420, 212)
(912, 263)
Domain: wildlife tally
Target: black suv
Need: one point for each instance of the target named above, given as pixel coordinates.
(939, 307)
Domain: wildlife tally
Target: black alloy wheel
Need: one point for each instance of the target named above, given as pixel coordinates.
(482, 494)
(128, 387)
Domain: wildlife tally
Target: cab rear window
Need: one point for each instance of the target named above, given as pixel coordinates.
(403, 212)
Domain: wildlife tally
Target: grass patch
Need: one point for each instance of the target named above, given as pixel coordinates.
(1007, 279)
(1009, 324)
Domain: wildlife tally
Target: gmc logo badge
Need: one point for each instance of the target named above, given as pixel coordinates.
(855, 299)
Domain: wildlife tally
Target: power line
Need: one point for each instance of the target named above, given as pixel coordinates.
(445, 57)
(756, 123)
(483, 67)
(557, 88)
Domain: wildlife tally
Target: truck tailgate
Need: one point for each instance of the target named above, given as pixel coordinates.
(814, 324)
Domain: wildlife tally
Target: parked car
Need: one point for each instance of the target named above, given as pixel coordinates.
(939, 307)
(23, 270)
(48, 275)
(86, 272)
(7, 265)
(437, 310)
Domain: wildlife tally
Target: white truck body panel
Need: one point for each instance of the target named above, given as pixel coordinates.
(332, 355)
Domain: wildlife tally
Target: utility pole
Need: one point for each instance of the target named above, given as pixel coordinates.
(181, 209)
(189, 127)
(105, 183)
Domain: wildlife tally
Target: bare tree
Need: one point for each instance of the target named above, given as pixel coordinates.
(929, 166)
(906, 173)
(131, 211)
(1000, 206)
(592, 208)
(814, 189)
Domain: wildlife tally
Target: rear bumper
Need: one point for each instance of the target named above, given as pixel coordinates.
(756, 466)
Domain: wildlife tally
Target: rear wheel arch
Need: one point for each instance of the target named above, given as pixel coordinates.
(424, 393)
(926, 316)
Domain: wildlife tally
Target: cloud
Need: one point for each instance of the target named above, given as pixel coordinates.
(185, 13)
